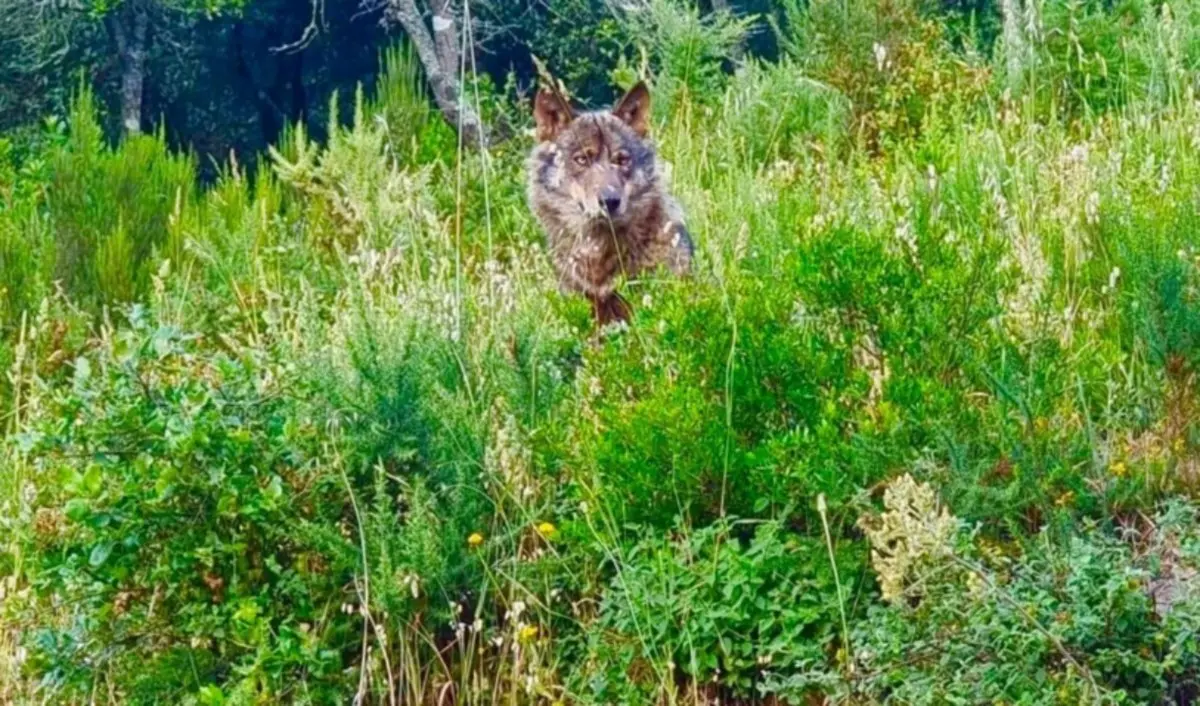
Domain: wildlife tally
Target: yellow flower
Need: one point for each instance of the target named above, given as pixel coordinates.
(1118, 469)
(475, 539)
(527, 633)
(547, 530)
(1065, 499)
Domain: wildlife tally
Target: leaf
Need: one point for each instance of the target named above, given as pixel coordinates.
(274, 490)
(246, 612)
(163, 341)
(211, 695)
(77, 509)
(100, 553)
(70, 479)
(165, 483)
(83, 372)
(93, 481)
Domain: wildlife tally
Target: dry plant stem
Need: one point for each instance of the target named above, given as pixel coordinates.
(823, 510)
(368, 622)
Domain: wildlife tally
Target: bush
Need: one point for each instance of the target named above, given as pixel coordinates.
(1078, 622)
(726, 604)
(112, 211)
(775, 112)
(172, 549)
(891, 60)
(27, 248)
(687, 50)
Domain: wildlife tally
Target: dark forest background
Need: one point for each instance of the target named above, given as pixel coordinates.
(227, 75)
(222, 76)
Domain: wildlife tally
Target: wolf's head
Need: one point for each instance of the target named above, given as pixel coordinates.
(598, 165)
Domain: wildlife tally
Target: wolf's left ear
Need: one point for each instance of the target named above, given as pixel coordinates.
(634, 109)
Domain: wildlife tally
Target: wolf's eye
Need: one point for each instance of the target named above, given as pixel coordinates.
(582, 159)
(620, 159)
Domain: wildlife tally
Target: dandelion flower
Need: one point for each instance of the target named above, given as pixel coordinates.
(475, 539)
(1118, 469)
(547, 530)
(528, 633)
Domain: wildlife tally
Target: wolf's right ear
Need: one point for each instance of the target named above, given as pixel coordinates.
(551, 114)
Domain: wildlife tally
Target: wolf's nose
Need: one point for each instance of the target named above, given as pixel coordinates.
(612, 203)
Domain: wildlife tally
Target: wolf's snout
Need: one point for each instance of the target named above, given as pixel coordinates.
(610, 199)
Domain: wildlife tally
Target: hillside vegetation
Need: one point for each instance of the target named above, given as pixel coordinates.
(922, 428)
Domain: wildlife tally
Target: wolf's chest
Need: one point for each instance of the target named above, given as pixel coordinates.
(591, 262)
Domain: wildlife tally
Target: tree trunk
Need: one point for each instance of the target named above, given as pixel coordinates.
(130, 25)
(445, 36)
(443, 79)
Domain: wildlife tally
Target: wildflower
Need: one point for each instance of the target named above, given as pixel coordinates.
(547, 530)
(976, 586)
(475, 539)
(1065, 499)
(1091, 208)
(528, 633)
(1118, 469)
(880, 52)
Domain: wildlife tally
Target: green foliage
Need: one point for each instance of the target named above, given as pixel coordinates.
(403, 104)
(176, 526)
(774, 112)
(890, 59)
(355, 444)
(1073, 623)
(687, 49)
(579, 40)
(26, 260)
(112, 211)
(710, 602)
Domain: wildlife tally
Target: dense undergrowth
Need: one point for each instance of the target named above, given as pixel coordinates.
(921, 429)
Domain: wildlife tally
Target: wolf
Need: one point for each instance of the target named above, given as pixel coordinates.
(594, 185)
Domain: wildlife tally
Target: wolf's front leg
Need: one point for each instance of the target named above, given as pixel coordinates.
(609, 309)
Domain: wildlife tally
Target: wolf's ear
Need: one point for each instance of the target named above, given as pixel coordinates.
(551, 113)
(634, 109)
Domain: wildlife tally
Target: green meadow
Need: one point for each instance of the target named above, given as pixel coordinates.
(922, 428)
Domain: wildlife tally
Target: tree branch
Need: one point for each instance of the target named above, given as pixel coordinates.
(447, 89)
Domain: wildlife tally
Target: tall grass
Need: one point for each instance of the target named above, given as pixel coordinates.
(357, 445)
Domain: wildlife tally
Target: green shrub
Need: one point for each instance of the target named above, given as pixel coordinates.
(890, 59)
(1084, 58)
(727, 604)
(687, 420)
(1084, 621)
(27, 248)
(775, 112)
(169, 547)
(687, 49)
(112, 210)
